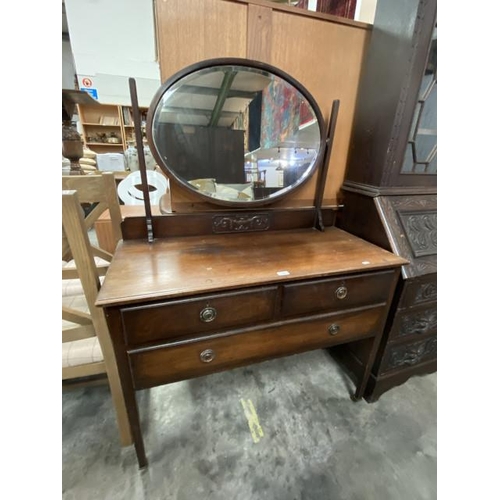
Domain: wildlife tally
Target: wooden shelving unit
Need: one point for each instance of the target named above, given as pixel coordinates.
(128, 124)
(102, 122)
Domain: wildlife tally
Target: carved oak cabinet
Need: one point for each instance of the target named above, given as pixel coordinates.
(190, 294)
(390, 185)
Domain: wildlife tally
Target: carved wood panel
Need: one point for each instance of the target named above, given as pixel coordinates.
(426, 292)
(419, 322)
(410, 354)
(413, 241)
(419, 291)
(240, 223)
(421, 231)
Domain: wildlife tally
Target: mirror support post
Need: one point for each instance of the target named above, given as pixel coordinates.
(323, 173)
(140, 155)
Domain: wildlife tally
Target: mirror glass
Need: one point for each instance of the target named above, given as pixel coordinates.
(235, 133)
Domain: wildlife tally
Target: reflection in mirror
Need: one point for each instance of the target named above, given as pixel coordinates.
(236, 133)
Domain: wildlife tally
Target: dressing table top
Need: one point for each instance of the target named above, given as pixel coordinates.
(181, 266)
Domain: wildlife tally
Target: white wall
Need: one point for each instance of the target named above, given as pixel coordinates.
(113, 40)
(68, 67)
(365, 11)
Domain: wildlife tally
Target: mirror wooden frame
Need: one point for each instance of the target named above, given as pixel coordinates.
(248, 63)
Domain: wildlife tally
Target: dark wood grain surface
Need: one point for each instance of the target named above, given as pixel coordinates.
(182, 361)
(336, 293)
(178, 267)
(171, 319)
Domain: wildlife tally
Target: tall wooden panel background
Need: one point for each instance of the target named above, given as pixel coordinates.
(322, 52)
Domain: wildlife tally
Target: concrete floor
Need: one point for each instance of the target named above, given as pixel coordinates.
(316, 444)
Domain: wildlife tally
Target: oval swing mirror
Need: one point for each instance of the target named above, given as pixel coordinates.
(236, 132)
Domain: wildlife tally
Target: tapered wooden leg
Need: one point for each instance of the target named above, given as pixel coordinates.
(360, 390)
(115, 383)
(115, 328)
(136, 432)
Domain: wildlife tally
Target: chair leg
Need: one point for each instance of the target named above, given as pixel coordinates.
(115, 384)
(120, 408)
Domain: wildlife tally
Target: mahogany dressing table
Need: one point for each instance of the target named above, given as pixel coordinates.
(190, 294)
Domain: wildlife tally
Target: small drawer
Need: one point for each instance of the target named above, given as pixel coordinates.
(336, 293)
(188, 359)
(144, 324)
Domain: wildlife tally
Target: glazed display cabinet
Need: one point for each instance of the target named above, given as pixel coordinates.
(390, 188)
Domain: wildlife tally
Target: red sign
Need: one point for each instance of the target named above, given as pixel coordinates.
(86, 82)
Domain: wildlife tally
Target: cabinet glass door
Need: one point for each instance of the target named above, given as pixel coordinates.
(421, 150)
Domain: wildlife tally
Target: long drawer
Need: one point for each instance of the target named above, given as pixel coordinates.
(334, 294)
(397, 356)
(419, 290)
(414, 322)
(167, 320)
(188, 359)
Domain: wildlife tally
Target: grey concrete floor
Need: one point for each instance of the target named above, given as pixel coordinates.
(316, 444)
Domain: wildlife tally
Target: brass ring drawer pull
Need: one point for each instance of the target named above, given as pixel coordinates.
(341, 292)
(208, 314)
(207, 355)
(333, 329)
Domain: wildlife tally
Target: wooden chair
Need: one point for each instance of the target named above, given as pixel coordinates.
(87, 348)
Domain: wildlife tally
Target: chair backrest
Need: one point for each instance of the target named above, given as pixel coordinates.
(99, 193)
(88, 337)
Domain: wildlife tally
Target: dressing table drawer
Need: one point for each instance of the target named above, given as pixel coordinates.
(336, 294)
(166, 320)
(188, 359)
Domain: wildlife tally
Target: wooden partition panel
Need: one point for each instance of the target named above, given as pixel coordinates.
(322, 52)
(259, 33)
(189, 31)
